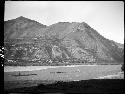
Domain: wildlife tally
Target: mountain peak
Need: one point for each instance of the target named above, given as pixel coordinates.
(85, 24)
(21, 18)
(24, 19)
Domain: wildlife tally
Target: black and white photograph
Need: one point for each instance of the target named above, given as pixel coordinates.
(58, 47)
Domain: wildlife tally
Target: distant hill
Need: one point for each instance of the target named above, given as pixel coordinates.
(28, 40)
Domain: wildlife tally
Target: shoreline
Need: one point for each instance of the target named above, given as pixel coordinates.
(33, 68)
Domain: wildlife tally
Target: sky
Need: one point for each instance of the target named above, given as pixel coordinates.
(107, 17)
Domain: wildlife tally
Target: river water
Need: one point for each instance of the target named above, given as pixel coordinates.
(75, 72)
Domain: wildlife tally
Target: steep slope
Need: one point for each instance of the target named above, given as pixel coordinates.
(27, 40)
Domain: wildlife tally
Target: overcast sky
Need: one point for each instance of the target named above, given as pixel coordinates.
(107, 17)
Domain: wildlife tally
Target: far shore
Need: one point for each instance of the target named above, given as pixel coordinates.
(32, 68)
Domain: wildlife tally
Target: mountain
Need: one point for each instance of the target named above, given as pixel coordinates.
(28, 40)
(20, 27)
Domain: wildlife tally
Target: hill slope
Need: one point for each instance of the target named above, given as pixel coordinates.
(28, 40)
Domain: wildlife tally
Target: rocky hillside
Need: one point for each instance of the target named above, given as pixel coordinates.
(28, 40)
